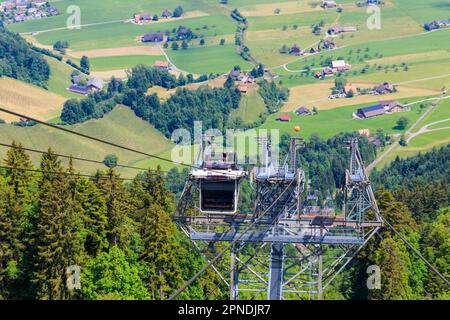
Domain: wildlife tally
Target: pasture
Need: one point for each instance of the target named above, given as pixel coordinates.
(122, 62)
(28, 99)
(251, 107)
(328, 123)
(120, 126)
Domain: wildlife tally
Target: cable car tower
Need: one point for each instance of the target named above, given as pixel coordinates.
(281, 250)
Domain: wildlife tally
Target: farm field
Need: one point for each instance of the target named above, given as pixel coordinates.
(28, 99)
(60, 78)
(210, 59)
(316, 95)
(331, 122)
(120, 126)
(122, 62)
(401, 52)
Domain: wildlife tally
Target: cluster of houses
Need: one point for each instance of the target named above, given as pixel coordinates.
(323, 45)
(81, 87)
(300, 111)
(351, 90)
(336, 30)
(181, 33)
(15, 11)
(337, 66)
(437, 24)
(382, 108)
(243, 80)
(143, 18)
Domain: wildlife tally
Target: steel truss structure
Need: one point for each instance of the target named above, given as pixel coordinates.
(282, 251)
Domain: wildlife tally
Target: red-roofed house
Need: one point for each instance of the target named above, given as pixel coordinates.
(284, 117)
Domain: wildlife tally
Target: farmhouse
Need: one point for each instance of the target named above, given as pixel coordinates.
(243, 88)
(392, 106)
(303, 111)
(143, 17)
(370, 112)
(328, 45)
(295, 50)
(154, 37)
(335, 30)
(340, 65)
(350, 88)
(328, 4)
(385, 88)
(284, 118)
(437, 24)
(93, 85)
(161, 64)
(79, 89)
(235, 74)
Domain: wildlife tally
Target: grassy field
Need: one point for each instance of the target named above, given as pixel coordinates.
(316, 95)
(209, 59)
(122, 62)
(32, 100)
(425, 142)
(60, 78)
(97, 12)
(331, 122)
(252, 105)
(120, 126)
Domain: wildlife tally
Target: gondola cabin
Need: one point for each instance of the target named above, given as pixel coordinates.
(219, 184)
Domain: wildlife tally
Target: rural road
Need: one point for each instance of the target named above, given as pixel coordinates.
(425, 129)
(408, 133)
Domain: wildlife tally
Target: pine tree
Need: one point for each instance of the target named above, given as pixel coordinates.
(95, 218)
(57, 239)
(118, 207)
(391, 257)
(158, 232)
(15, 204)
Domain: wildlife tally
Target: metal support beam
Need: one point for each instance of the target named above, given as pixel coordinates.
(320, 275)
(276, 272)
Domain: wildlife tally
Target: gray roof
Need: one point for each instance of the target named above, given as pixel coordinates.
(95, 82)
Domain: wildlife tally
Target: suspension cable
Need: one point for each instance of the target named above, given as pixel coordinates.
(403, 265)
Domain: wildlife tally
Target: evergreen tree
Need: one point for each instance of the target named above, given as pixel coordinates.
(120, 225)
(391, 257)
(158, 231)
(15, 205)
(57, 240)
(95, 219)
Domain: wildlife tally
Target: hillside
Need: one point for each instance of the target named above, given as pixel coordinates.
(120, 126)
(28, 99)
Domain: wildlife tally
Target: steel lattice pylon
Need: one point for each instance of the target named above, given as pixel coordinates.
(283, 251)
